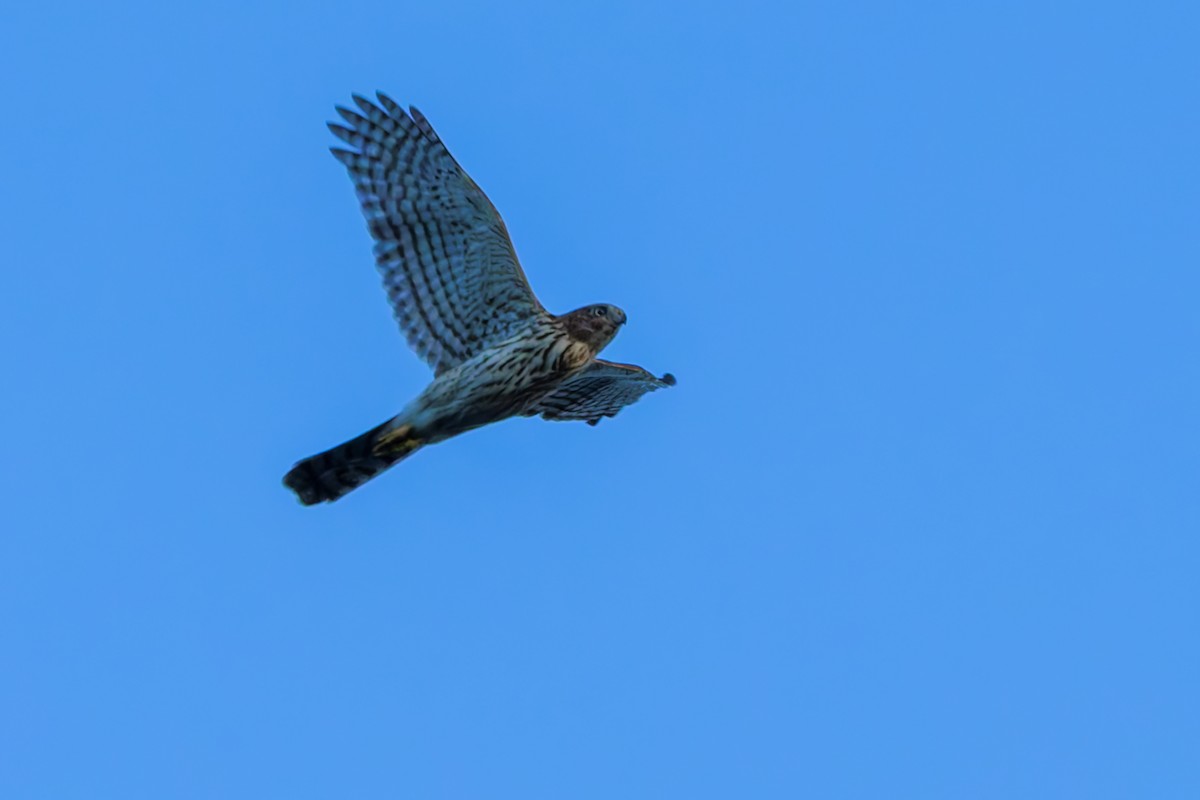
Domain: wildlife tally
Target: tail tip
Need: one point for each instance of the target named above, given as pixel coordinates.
(308, 491)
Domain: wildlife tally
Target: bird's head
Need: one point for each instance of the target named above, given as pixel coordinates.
(594, 325)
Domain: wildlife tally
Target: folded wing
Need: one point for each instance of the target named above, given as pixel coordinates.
(599, 391)
(447, 262)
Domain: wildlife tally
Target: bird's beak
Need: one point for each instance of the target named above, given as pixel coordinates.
(623, 318)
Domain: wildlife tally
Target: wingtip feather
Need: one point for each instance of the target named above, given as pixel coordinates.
(390, 106)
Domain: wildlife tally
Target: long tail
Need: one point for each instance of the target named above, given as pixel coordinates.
(327, 476)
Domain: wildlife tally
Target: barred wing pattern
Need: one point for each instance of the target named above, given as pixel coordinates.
(447, 262)
(601, 390)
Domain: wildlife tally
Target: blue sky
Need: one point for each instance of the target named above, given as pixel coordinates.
(919, 520)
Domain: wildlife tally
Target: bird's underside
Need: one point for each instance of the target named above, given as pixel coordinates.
(463, 303)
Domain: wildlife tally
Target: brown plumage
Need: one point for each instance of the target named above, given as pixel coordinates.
(462, 301)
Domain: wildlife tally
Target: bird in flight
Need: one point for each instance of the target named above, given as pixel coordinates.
(464, 304)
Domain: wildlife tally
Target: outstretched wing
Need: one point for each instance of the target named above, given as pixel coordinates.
(445, 256)
(601, 390)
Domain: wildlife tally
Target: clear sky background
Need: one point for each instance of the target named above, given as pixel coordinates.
(920, 519)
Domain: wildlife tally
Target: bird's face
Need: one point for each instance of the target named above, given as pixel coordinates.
(595, 325)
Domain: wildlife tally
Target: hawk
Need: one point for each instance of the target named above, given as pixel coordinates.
(463, 302)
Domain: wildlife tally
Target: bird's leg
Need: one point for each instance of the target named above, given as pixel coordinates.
(397, 442)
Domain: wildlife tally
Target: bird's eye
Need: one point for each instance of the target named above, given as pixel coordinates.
(599, 311)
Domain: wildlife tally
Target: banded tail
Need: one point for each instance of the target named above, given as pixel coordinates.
(327, 476)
